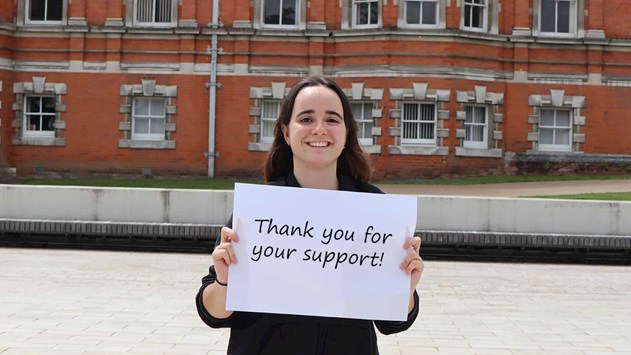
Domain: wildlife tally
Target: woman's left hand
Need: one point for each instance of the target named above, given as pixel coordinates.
(413, 264)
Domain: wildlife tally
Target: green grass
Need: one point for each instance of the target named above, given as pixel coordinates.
(501, 179)
(602, 196)
(223, 184)
(185, 183)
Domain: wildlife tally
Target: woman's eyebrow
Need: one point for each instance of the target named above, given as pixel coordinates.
(312, 111)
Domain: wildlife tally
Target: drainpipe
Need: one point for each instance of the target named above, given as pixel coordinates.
(212, 86)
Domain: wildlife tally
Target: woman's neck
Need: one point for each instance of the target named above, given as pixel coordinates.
(317, 178)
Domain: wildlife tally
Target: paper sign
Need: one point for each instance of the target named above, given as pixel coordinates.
(320, 252)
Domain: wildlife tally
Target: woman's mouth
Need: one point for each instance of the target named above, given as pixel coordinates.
(319, 144)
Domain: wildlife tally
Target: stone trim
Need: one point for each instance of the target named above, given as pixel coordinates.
(557, 100)
(38, 87)
(492, 101)
(147, 88)
(420, 93)
(359, 93)
(276, 91)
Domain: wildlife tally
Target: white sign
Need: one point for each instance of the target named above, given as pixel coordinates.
(320, 252)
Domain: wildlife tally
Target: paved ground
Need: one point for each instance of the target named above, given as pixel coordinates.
(97, 302)
(513, 189)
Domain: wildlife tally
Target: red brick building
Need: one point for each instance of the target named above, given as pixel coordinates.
(439, 87)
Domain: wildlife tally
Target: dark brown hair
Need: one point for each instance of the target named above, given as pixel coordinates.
(352, 161)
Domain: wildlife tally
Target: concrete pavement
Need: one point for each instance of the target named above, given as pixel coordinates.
(101, 302)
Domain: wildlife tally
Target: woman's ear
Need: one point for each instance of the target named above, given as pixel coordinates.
(285, 130)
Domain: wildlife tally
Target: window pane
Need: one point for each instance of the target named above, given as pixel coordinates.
(548, 15)
(144, 11)
(362, 13)
(34, 123)
(141, 125)
(547, 118)
(33, 104)
(289, 12)
(55, 10)
(357, 110)
(141, 107)
(563, 119)
(479, 115)
(413, 12)
(365, 130)
(163, 10)
(48, 104)
(564, 17)
(157, 108)
(477, 17)
(467, 15)
(562, 137)
(545, 136)
(374, 12)
(48, 123)
(37, 10)
(157, 126)
(271, 14)
(429, 13)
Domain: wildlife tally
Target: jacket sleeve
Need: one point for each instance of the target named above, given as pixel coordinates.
(391, 327)
(199, 298)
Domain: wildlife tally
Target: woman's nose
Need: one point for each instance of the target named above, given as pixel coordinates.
(319, 128)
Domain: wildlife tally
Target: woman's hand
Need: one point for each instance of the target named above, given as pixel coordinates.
(413, 264)
(223, 255)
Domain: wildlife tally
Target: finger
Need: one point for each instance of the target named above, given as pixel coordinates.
(226, 253)
(228, 235)
(416, 264)
(409, 259)
(414, 242)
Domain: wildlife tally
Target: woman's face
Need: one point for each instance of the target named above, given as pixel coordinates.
(316, 132)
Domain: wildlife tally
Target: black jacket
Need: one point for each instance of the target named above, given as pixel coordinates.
(263, 333)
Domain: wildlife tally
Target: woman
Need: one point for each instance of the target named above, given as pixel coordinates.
(315, 146)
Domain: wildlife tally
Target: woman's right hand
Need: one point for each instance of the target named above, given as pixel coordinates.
(223, 255)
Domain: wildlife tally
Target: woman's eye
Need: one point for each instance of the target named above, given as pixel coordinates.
(306, 119)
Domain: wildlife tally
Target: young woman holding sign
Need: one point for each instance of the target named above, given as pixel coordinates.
(315, 146)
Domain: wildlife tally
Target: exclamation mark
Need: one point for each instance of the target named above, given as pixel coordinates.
(382, 253)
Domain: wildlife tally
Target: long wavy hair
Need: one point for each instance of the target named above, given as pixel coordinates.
(352, 161)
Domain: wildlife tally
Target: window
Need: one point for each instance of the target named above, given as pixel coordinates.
(149, 111)
(362, 111)
(476, 127)
(421, 13)
(269, 113)
(418, 123)
(555, 130)
(149, 118)
(39, 116)
(475, 15)
(280, 12)
(151, 13)
(557, 16)
(365, 13)
(44, 11)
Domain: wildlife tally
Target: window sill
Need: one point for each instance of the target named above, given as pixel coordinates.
(140, 144)
(259, 147)
(40, 141)
(372, 149)
(417, 150)
(478, 152)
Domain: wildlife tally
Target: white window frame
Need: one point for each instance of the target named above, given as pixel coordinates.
(572, 21)
(556, 147)
(132, 17)
(484, 144)
(26, 132)
(150, 117)
(365, 118)
(419, 141)
(421, 25)
(485, 15)
(268, 120)
(281, 26)
(27, 16)
(355, 9)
